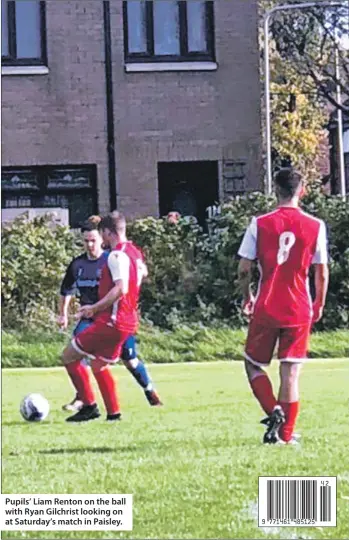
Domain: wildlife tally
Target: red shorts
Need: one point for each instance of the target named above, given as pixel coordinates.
(262, 339)
(100, 341)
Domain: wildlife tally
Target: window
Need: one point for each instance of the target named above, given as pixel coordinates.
(47, 187)
(188, 187)
(234, 177)
(168, 31)
(23, 39)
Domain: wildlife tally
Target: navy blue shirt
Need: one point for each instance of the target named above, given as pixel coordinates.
(82, 278)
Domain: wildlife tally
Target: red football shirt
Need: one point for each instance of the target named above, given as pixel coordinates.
(285, 242)
(125, 263)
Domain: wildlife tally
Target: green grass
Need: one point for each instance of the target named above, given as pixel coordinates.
(187, 344)
(192, 465)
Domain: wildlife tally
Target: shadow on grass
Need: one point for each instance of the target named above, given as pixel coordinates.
(93, 450)
(24, 423)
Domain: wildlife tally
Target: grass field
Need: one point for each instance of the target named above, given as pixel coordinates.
(192, 465)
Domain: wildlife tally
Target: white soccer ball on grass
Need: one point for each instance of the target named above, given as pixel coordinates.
(34, 408)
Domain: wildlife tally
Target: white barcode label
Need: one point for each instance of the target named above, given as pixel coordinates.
(297, 501)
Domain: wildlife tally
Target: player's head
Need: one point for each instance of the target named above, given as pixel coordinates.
(113, 228)
(95, 220)
(91, 237)
(288, 184)
(173, 217)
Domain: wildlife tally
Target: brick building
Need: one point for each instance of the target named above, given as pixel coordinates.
(143, 106)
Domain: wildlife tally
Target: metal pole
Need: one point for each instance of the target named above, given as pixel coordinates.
(340, 129)
(269, 186)
(268, 15)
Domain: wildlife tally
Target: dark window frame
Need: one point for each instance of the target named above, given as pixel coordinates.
(43, 172)
(11, 59)
(185, 55)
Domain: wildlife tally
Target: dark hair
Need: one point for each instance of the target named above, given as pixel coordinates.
(115, 222)
(89, 226)
(287, 181)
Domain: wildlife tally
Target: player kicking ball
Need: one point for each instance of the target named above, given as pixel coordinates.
(82, 279)
(115, 319)
(285, 243)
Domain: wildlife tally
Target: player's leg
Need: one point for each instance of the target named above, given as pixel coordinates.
(108, 346)
(79, 375)
(77, 403)
(108, 388)
(259, 350)
(260, 345)
(293, 348)
(261, 387)
(139, 371)
(289, 397)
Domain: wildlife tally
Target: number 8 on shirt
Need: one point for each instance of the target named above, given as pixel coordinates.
(285, 242)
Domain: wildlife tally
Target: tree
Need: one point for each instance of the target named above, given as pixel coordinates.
(298, 129)
(297, 108)
(310, 39)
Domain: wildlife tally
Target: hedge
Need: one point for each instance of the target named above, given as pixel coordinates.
(192, 273)
(158, 346)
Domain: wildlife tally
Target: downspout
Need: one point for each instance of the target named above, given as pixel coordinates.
(113, 196)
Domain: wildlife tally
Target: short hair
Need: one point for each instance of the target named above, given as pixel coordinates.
(287, 180)
(94, 219)
(89, 226)
(115, 222)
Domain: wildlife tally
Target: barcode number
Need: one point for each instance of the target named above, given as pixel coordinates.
(297, 501)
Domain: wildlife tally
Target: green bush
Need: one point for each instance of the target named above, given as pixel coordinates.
(170, 251)
(192, 275)
(34, 258)
(335, 212)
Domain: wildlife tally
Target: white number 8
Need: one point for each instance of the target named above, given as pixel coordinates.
(286, 241)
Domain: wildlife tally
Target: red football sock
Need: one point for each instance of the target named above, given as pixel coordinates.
(80, 378)
(107, 386)
(263, 391)
(291, 411)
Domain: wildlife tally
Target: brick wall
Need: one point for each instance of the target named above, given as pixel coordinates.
(188, 116)
(60, 118)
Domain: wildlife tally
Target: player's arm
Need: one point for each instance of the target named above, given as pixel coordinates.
(119, 267)
(321, 273)
(142, 271)
(248, 253)
(145, 271)
(66, 294)
(108, 300)
(245, 277)
(64, 302)
(321, 285)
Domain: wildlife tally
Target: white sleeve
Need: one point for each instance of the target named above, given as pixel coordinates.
(119, 267)
(320, 255)
(145, 270)
(248, 248)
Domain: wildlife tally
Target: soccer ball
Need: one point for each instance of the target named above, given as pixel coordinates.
(34, 408)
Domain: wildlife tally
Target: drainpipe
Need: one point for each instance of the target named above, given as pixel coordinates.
(113, 196)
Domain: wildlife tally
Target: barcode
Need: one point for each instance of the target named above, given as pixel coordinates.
(297, 501)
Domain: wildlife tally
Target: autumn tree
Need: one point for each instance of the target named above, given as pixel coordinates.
(303, 81)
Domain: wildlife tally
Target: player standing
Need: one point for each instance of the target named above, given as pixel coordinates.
(285, 242)
(115, 319)
(81, 280)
